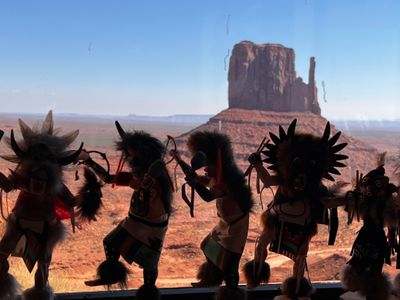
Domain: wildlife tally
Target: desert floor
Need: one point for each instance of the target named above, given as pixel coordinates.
(76, 259)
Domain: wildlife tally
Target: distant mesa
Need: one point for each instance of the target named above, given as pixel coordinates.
(263, 77)
(264, 93)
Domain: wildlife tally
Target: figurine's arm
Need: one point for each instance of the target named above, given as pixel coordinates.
(207, 194)
(204, 180)
(6, 183)
(266, 178)
(333, 201)
(335, 196)
(99, 170)
(85, 158)
(197, 182)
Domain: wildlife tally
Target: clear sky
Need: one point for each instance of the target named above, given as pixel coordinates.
(167, 57)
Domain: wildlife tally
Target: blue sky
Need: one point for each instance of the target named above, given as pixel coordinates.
(167, 57)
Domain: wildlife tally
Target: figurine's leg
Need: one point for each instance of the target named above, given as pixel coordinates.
(42, 275)
(10, 239)
(112, 271)
(149, 291)
(9, 287)
(4, 265)
(231, 290)
(300, 262)
(208, 273)
(150, 277)
(257, 270)
(41, 289)
(297, 285)
(42, 272)
(377, 285)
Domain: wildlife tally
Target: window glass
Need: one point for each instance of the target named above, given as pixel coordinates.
(168, 67)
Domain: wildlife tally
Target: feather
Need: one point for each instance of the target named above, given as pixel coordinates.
(327, 132)
(292, 128)
(209, 275)
(269, 160)
(282, 133)
(338, 164)
(252, 279)
(271, 147)
(334, 171)
(274, 138)
(70, 137)
(329, 177)
(334, 139)
(48, 124)
(273, 168)
(111, 272)
(381, 159)
(89, 197)
(339, 147)
(340, 157)
(26, 131)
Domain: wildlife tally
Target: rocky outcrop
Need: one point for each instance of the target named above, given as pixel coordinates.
(263, 77)
(247, 128)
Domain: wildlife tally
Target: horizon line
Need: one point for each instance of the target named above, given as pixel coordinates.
(66, 114)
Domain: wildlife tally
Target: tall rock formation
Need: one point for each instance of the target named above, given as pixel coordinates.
(263, 77)
(264, 93)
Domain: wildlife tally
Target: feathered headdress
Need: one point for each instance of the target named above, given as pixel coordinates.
(377, 177)
(324, 149)
(147, 148)
(43, 143)
(217, 148)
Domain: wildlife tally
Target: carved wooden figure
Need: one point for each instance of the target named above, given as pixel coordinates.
(300, 162)
(223, 183)
(34, 226)
(140, 236)
(375, 200)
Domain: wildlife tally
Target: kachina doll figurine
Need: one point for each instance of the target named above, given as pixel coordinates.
(34, 226)
(374, 200)
(224, 183)
(300, 162)
(139, 237)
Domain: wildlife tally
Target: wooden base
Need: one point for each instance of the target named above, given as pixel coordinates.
(352, 296)
(283, 297)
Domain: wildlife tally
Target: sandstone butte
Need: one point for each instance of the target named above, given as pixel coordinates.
(264, 92)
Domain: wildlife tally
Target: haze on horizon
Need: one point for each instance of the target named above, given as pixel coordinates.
(170, 57)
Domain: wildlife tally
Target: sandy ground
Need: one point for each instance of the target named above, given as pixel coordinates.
(76, 259)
